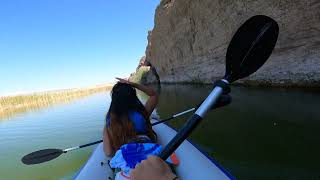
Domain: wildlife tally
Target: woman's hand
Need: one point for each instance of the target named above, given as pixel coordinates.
(123, 80)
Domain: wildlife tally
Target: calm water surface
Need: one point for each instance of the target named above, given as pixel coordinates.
(263, 134)
(60, 126)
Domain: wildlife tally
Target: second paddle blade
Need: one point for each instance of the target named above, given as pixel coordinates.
(41, 156)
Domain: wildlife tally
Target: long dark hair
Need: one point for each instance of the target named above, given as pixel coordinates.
(121, 130)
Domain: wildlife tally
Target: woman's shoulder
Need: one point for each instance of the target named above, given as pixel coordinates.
(139, 121)
(136, 114)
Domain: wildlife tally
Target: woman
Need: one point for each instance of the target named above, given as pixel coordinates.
(128, 119)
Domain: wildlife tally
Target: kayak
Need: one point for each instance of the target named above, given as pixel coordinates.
(194, 164)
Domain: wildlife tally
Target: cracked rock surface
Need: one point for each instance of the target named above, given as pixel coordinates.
(190, 38)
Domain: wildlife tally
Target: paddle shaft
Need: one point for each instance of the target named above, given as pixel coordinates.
(153, 124)
(174, 116)
(248, 50)
(223, 102)
(82, 146)
(193, 122)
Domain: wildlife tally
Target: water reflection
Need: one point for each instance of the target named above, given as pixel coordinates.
(59, 126)
(264, 133)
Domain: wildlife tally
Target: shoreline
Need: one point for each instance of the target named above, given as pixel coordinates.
(250, 83)
(12, 105)
(107, 85)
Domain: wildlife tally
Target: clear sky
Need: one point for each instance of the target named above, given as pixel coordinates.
(56, 44)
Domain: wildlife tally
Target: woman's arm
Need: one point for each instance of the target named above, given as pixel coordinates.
(152, 102)
(106, 143)
(153, 95)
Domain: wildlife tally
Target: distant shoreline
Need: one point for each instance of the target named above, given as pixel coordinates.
(56, 90)
(14, 104)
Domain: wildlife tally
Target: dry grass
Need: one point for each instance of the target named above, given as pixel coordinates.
(11, 105)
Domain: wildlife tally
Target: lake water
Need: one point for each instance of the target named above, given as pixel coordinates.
(263, 134)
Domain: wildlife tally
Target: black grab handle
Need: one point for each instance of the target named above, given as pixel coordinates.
(223, 100)
(180, 137)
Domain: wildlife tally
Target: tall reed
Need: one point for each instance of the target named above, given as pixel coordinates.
(11, 105)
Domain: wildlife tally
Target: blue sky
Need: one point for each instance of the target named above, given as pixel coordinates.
(56, 44)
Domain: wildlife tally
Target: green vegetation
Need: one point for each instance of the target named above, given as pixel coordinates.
(140, 75)
(10, 105)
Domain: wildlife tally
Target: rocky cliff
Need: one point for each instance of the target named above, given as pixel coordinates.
(145, 73)
(190, 38)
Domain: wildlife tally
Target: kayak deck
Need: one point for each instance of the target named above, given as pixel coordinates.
(193, 163)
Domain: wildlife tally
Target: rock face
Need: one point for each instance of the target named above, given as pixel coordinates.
(190, 38)
(145, 73)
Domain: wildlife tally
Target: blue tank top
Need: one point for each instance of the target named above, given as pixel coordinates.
(138, 121)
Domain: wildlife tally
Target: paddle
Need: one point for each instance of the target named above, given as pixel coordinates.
(222, 101)
(50, 154)
(248, 50)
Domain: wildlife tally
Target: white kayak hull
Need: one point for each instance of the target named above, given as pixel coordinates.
(193, 163)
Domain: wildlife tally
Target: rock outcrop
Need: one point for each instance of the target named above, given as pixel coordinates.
(145, 73)
(190, 38)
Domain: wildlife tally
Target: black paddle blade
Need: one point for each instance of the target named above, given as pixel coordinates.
(250, 47)
(41, 156)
